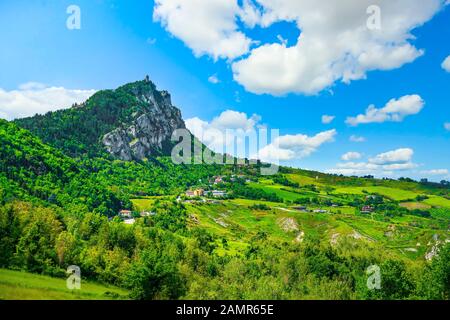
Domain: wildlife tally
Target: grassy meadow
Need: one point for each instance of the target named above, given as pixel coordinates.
(18, 285)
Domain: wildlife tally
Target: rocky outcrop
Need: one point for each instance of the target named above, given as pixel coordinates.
(132, 122)
(150, 130)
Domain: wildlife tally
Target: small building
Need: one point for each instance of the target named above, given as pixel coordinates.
(367, 209)
(126, 214)
(190, 194)
(218, 193)
(301, 208)
(320, 211)
(218, 180)
(129, 221)
(195, 193)
(199, 192)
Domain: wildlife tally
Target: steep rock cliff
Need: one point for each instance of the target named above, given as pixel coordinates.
(133, 122)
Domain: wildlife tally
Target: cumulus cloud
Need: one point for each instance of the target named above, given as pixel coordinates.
(351, 156)
(395, 110)
(214, 134)
(207, 27)
(31, 98)
(402, 155)
(383, 164)
(335, 43)
(446, 64)
(326, 119)
(220, 134)
(289, 147)
(354, 138)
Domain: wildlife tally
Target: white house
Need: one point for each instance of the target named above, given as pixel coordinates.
(218, 193)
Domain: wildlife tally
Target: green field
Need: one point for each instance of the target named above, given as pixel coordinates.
(277, 189)
(303, 180)
(19, 285)
(436, 201)
(145, 203)
(391, 193)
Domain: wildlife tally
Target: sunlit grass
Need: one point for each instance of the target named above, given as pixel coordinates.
(18, 285)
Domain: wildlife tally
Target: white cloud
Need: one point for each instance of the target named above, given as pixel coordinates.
(214, 134)
(289, 147)
(249, 14)
(334, 43)
(214, 79)
(354, 138)
(435, 172)
(220, 132)
(447, 126)
(235, 120)
(395, 110)
(31, 98)
(207, 27)
(446, 64)
(402, 156)
(326, 119)
(351, 156)
(383, 164)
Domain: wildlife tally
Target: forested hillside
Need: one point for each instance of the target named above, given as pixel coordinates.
(31, 170)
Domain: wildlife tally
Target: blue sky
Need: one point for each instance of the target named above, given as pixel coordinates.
(120, 41)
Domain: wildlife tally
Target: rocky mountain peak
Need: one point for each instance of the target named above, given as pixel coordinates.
(151, 127)
(132, 122)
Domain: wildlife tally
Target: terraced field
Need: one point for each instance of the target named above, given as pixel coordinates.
(407, 236)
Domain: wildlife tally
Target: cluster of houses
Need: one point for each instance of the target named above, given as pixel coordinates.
(220, 179)
(196, 193)
(201, 192)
